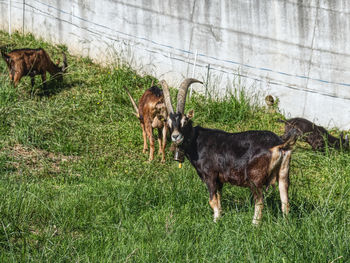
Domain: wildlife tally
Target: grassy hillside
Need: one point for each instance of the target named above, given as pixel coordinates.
(75, 186)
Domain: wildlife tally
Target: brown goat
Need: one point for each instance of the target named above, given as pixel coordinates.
(32, 62)
(315, 135)
(152, 114)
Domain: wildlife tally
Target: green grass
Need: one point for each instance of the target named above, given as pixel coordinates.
(75, 186)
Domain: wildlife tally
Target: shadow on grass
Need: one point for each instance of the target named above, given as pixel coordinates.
(244, 202)
(54, 87)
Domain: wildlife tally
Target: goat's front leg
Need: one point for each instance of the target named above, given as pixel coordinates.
(43, 78)
(16, 78)
(259, 205)
(32, 80)
(162, 144)
(214, 197)
(283, 182)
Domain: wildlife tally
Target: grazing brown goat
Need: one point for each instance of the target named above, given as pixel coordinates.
(315, 135)
(253, 159)
(32, 62)
(152, 114)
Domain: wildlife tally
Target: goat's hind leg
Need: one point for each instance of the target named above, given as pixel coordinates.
(149, 132)
(159, 141)
(283, 182)
(144, 136)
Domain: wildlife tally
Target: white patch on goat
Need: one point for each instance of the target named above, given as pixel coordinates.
(216, 214)
(283, 181)
(216, 206)
(183, 121)
(170, 123)
(276, 158)
(259, 205)
(258, 213)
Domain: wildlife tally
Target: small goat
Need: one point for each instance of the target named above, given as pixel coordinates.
(315, 135)
(32, 62)
(152, 114)
(251, 159)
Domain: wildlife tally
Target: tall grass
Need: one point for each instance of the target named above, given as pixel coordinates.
(75, 186)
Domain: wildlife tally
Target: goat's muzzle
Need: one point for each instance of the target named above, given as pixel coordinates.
(177, 138)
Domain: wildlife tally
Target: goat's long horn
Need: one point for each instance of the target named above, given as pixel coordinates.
(64, 67)
(181, 95)
(167, 98)
(133, 103)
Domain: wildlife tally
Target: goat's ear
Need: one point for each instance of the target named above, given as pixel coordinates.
(190, 114)
(170, 123)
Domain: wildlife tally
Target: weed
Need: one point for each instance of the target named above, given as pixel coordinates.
(76, 187)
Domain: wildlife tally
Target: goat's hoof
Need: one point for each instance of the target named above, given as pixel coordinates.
(256, 222)
(216, 219)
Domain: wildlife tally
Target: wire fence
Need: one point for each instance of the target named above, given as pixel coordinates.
(204, 61)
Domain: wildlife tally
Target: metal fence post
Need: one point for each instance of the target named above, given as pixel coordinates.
(207, 82)
(23, 17)
(194, 68)
(9, 16)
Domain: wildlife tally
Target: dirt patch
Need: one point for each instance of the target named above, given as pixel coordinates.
(23, 157)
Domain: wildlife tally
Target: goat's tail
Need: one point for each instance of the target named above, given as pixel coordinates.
(4, 55)
(290, 139)
(65, 65)
(137, 113)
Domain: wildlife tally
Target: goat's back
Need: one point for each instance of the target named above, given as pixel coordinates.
(234, 146)
(148, 102)
(304, 125)
(311, 133)
(27, 60)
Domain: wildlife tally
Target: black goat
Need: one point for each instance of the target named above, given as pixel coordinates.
(315, 135)
(251, 159)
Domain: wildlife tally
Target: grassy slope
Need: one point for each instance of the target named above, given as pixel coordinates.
(75, 186)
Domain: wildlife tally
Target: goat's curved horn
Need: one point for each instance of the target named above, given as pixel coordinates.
(167, 98)
(181, 96)
(64, 67)
(133, 103)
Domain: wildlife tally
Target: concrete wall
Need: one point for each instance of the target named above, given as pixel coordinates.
(297, 50)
